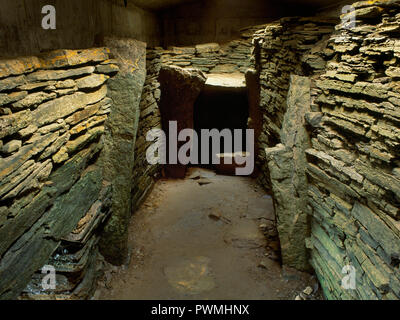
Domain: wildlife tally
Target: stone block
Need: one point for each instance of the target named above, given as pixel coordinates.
(207, 48)
(11, 146)
(15, 67)
(70, 58)
(75, 145)
(46, 75)
(33, 100)
(12, 97)
(377, 229)
(117, 157)
(12, 163)
(11, 82)
(107, 69)
(92, 81)
(180, 89)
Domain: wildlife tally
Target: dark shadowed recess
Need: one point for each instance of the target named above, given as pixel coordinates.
(222, 108)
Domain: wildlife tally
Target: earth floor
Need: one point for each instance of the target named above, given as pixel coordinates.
(205, 237)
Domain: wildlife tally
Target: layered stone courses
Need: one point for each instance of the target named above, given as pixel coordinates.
(357, 97)
(353, 159)
(285, 53)
(52, 115)
(145, 174)
(329, 149)
(233, 58)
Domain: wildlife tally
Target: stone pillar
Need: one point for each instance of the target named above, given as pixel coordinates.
(179, 91)
(255, 114)
(125, 90)
(287, 165)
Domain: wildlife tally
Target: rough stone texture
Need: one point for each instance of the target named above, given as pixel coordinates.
(44, 195)
(231, 57)
(352, 164)
(226, 80)
(145, 174)
(11, 146)
(76, 257)
(219, 61)
(179, 91)
(353, 189)
(255, 114)
(287, 167)
(287, 46)
(92, 81)
(61, 219)
(125, 91)
(281, 51)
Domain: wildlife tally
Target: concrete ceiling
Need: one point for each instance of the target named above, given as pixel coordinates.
(163, 4)
(316, 3)
(158, 4)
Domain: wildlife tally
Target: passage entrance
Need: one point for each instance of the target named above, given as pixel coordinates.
(223, 104)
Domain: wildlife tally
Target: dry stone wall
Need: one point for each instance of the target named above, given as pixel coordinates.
(53, 110)
(68, 122)
(353, 165)
(233, 57)
(288, 47)
(352, 129)
(145, 174)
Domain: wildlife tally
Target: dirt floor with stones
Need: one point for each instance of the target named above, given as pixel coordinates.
(205, 237)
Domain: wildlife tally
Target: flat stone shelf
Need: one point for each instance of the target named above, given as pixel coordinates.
(226, 80)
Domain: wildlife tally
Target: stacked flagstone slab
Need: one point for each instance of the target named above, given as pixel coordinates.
(231, 57)
(76, 260)
(144, 173)
(284, 48)
(287, 46)
(350, 155)
(53, 196)
(353, 164)
(53, 110)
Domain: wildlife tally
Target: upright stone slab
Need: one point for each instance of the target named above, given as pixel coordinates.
(255, 113)
(125, 90)
(287, 165)
(179, 91)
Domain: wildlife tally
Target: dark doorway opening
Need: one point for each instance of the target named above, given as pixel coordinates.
(222, 108)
